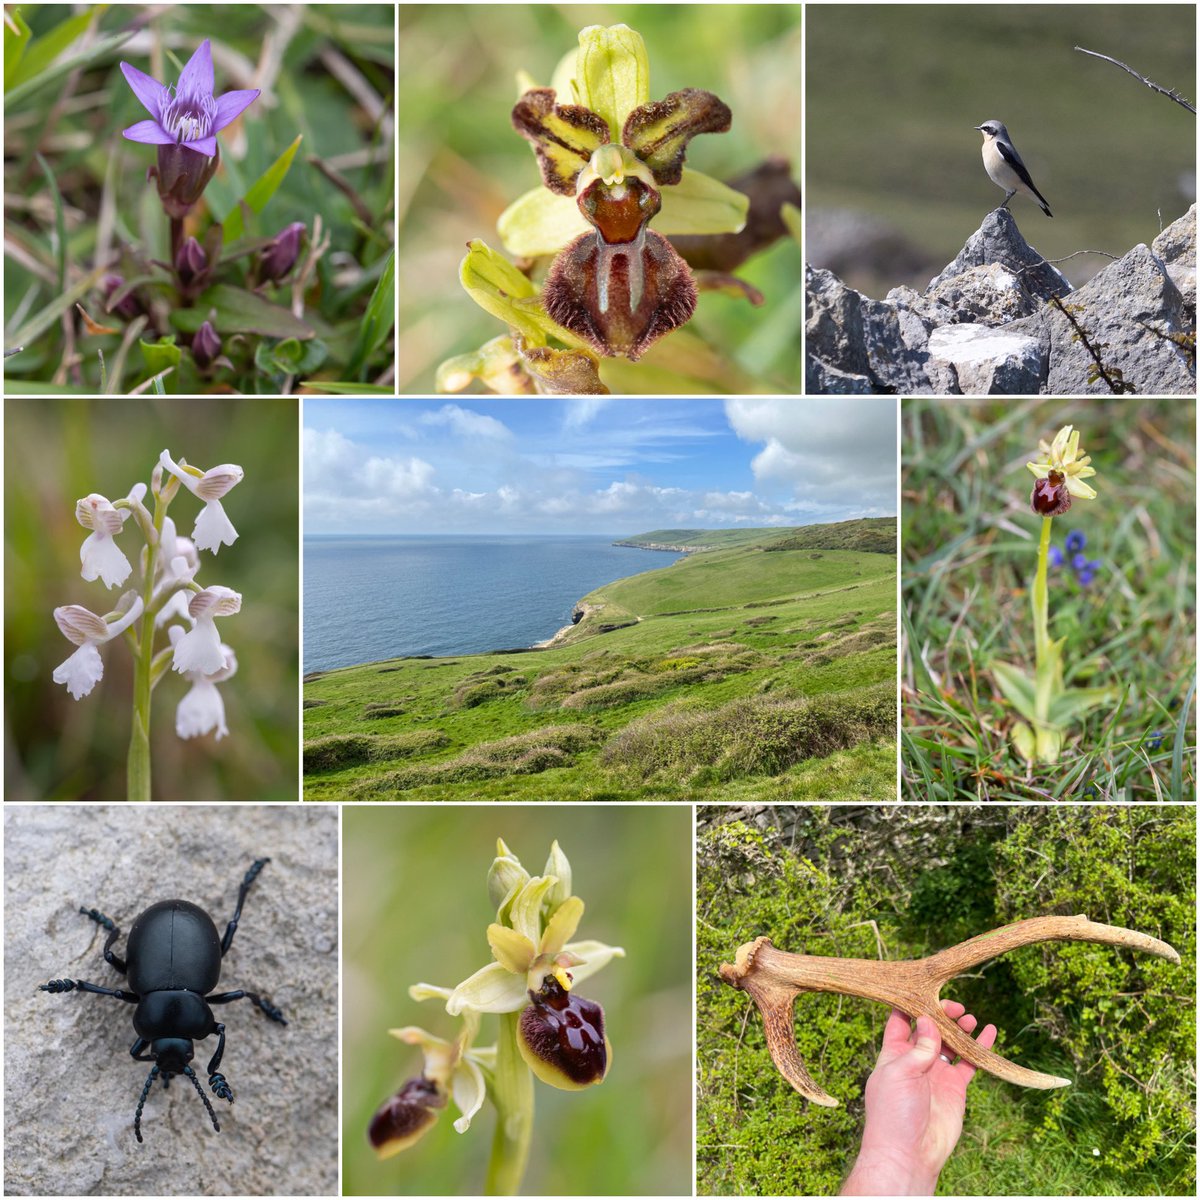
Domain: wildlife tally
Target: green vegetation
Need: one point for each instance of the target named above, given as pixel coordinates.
(906, 882)
(969, 545)
(731, 673)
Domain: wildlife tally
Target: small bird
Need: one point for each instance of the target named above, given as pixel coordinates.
(1004, 165)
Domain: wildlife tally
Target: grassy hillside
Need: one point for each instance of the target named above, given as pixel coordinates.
(877, 534)
(732, 674)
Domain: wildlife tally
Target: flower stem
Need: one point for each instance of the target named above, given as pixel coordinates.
(1040, 596)
(512, 1094)
(176, 238)
(138, 764)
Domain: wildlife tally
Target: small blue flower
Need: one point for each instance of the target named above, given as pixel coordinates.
(1079, 562)
(1155, 740)
(1090, 792)
(1084, 578)
(1055, 556)
(1076, 540)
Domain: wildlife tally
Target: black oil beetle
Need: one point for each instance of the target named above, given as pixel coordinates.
(173, 961)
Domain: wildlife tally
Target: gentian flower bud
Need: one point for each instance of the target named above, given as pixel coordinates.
(281, 253)
(206, 345)
(403, 1119)
(1050, 497)
(191, 263)
(128, 306)
(561, 1038)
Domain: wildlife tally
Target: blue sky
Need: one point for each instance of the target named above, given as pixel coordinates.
(609, 466)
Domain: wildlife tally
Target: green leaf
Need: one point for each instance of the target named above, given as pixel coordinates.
(161, 355)
(1017, 688)
(260, 192)
(16, 41)
(46, 48)
(539, 222)
(612, 73)
(60, 223)
(99, 51)
(1073, 703)
(290, 357)
(235, 310)
(1024, 741)
(1181, 732)
(379, 318)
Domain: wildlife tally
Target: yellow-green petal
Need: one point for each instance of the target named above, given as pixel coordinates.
(525, 913)
(496, 286)
(698, 204)
(1079, 489)
(561, 927)
(512, 950)
(659, 132)
(492, 989)
(540, 222)
(612, 73)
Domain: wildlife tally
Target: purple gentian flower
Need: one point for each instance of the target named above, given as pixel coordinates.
(187, 115)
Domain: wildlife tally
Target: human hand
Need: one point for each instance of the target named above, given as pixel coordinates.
(915, 1100)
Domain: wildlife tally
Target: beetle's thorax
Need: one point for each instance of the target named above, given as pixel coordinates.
(175, 1014)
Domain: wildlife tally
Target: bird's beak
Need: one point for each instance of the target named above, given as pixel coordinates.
(978, 128)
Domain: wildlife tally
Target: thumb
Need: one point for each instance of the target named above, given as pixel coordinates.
(925, 1050)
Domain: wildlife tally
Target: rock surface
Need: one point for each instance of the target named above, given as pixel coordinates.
(984, 325)
(71, 1087)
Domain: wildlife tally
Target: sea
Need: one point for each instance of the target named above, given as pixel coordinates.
(371, 598)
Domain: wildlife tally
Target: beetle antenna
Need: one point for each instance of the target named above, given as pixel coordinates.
(200, 1092)
(137, 1116)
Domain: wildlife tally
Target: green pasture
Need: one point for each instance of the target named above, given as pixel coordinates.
(733, 672)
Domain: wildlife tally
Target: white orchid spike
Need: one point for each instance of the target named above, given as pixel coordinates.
(202, 710)
(85, 668)
(199, 650)
(213, 528)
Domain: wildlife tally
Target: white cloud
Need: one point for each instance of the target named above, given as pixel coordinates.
(466, 423)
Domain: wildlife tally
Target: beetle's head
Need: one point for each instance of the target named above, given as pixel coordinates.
(172, 1054)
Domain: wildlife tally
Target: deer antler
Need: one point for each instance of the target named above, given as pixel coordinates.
(774, 978)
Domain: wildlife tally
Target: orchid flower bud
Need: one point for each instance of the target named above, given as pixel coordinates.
(128, 306)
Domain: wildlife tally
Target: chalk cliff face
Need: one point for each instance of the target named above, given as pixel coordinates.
(663, 546)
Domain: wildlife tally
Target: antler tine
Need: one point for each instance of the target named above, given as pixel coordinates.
(952, 961)
(774, 1002)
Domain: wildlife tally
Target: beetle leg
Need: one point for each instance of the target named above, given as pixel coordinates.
(82, 985)
(216, 1080)
(231, 928)
(267, 1008)
(114, 932)
(138, 1051)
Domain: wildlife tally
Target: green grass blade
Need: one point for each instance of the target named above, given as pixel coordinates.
(43, 50)
(261, 191)
(342, 388)
(60, 224)
(102, 49)
(1180, 740)
(45, 317)
(921, 673)
(379, 318)
(16, 42)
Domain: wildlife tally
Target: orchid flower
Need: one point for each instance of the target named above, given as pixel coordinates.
(85, 668)
(99, 555)
(202, 710)
(213, 528)
(199, 650)
(178, 565)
